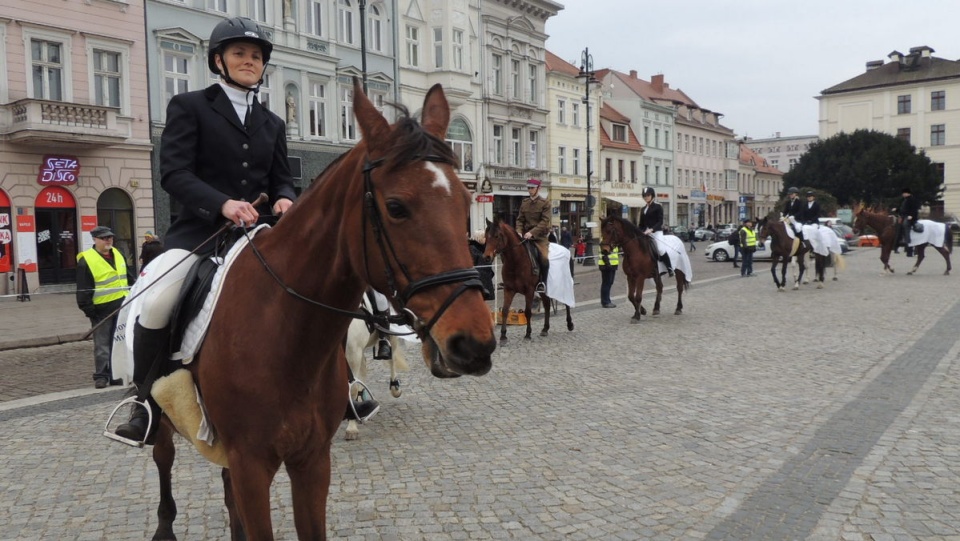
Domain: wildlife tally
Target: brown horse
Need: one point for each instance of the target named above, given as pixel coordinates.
(781, 250)
(517, 275)
(639, 264)
(885, 227)
(389, 213)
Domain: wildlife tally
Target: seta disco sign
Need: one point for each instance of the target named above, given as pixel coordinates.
(58, 171)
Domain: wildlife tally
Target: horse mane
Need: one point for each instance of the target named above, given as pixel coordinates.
(410, 142)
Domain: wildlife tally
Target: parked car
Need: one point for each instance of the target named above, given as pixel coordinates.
(681, 232)
(846, 233)
(726, 230)
(723, 250)
(704, 234)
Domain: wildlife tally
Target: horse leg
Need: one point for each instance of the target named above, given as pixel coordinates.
(250, 478)
(946, 257)
(834, 258)
(528, 297)
(681, 282)
(236, 529)
(507, 301)
(819, 267)
(164, 453)
(919, 254)
(569, 319)
(801, 267)
(309, 486)
(352, 431)
(656, 304)
(634, 299)
(545, 301)
(395, 362)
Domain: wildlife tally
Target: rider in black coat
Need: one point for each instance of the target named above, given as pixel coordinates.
(909, 212)
(793, 209)
(811, 211)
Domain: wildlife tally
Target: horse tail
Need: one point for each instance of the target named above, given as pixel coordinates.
(840, 262)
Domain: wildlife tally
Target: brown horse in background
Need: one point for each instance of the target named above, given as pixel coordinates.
(781, 250)
(885, 226)
(389, 213)
(516, 274)
(639, 263)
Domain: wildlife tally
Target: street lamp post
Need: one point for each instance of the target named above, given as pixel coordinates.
(363, 43)
(587, 74)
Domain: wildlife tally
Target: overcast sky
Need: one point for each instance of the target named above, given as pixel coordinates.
(758, 62)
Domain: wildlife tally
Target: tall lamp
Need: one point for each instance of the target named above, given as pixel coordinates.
(587, 74)
(363, 43)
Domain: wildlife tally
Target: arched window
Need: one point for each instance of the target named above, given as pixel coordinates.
(460, 139)
(375, 28)
(115, 210)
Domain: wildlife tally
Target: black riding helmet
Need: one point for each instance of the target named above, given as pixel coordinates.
(649, 191)
(236, 29)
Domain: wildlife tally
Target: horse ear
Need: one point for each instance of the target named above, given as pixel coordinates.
(372, 124)
(489, 223)
(436, 112)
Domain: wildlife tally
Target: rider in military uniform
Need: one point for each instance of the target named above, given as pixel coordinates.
(651, 223)
(533, 223)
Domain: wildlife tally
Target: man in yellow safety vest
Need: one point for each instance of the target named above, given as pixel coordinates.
(102, 282)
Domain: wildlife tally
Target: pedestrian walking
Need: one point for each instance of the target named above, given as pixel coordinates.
(102, 281)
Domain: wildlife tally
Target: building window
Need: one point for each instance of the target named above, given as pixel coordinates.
(318, 110)
(498, 74)
(348, 124)
(620, 133)
(413, 46)
(515, 152)
(656, 138)
(47, 67)
(620, 171)
(533, 160)
(346, 21)
(258, 10)
(646, 136)
(938, 100)
(633, 171)
(106, 78)
(608, 169)
(461, 141)
(561, 111)
(438, 47)
(576, 161)
(938, 135)
(264, 95)
(315, 17)
(903, 134)
(666, 176)
(903, 105)
(217, 5)
(646, 173)
(656, 175)
(497, 144)
(686, 143)
(176, 75)
(458, 50)
(375, 29)
(666, 139)
(562, 160)
(534, 91)
(515, 78)
(793, 163)
(575, 113)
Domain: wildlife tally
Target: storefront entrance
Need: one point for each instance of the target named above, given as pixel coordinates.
(56, 236)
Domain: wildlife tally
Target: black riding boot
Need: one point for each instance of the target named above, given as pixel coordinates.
(665, 258)
(364, 407)
(149, 346)
(542, 284)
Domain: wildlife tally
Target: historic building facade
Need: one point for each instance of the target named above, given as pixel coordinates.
(620, 166)
(782, 152)
(915, 97)
(74, 136)
(759, 185)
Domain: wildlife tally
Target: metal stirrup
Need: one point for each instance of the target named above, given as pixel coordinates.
(127, 441)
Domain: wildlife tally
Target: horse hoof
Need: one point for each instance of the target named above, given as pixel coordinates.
(527, 337)
(543, 333)
(835, 278)
(656, 313)
(796, 287)
(780, 289)
(634, 320)
(819, 285)
(678, 312)
(643, 311)
(570, 327)
(503, 339)
(351, 435)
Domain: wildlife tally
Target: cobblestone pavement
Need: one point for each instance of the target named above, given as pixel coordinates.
(816, 414)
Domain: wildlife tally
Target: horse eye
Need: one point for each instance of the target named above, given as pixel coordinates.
(397, 211)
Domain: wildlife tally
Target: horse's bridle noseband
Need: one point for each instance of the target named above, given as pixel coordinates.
(467, 278)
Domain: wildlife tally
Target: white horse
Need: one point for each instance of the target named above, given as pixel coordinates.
(359, 339)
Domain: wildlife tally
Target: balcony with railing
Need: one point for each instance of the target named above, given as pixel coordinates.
(41, 122)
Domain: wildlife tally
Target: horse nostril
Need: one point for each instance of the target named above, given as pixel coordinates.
(487, 259)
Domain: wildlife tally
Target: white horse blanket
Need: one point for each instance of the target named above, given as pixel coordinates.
(674, 247)
(934, 233)
(559, 281)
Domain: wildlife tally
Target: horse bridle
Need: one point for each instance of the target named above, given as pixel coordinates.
(468, 278)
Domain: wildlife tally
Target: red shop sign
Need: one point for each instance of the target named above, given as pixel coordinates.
(484, 198)
(58, 170)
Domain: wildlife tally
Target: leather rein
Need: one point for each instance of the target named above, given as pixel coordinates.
(467, 278)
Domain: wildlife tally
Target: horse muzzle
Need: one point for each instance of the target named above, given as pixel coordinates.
(463, 355)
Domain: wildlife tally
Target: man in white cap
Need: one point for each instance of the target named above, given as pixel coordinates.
(533, 223)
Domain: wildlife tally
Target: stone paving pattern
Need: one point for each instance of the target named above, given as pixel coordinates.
(817, 414)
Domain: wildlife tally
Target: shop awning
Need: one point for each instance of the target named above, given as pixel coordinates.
(632, 202)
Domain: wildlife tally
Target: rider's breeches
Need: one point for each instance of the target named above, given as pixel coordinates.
(544, 246)
(160, 298)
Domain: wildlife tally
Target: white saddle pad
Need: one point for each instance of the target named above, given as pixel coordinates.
(679, 260)
(933, 234)
(559, 282)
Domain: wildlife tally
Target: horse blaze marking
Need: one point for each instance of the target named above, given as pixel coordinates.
(440, 178)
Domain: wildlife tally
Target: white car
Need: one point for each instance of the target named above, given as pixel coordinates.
(723, 250)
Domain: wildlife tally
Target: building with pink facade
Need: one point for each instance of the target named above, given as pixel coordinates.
(74, 135)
